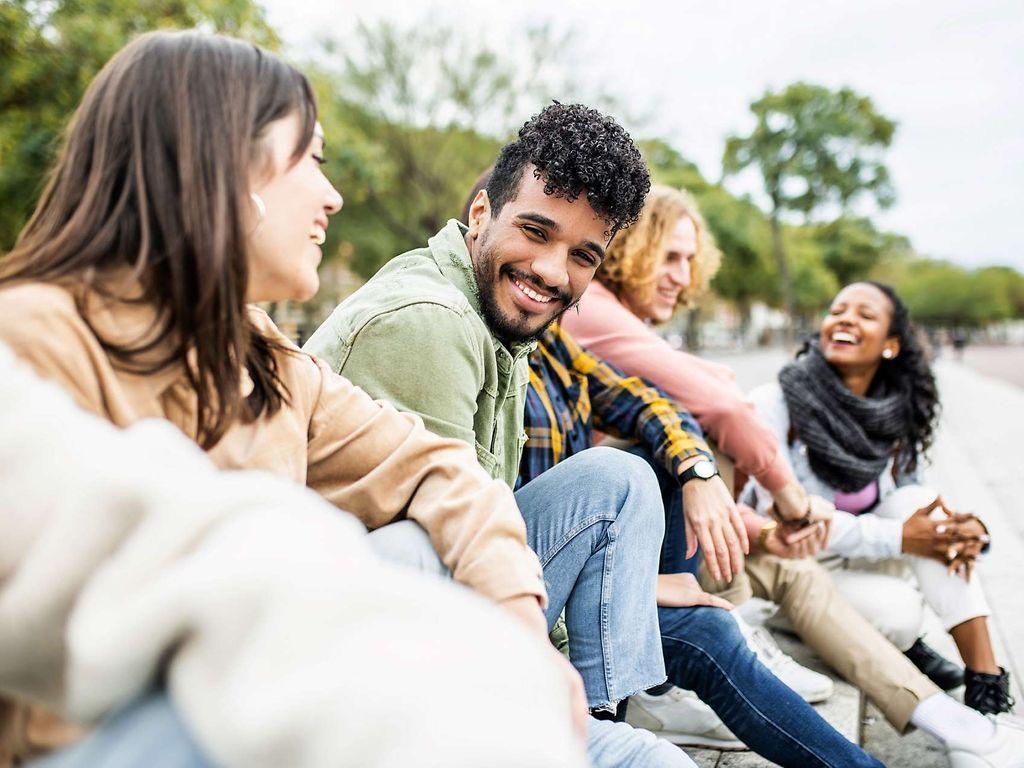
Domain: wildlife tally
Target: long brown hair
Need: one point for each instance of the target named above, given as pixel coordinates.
(154, 177)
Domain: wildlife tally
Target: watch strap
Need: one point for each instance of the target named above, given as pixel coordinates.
(691, 473)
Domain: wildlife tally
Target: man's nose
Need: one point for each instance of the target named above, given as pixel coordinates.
(551, 268)
(682, 274)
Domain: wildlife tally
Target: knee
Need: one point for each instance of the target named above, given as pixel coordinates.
(898, 614)
(631, 482)
(611, 464)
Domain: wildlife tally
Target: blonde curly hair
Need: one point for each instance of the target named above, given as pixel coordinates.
(631, 264)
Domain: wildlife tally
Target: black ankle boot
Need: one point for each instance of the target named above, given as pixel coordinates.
(936, 667)
(989, 694)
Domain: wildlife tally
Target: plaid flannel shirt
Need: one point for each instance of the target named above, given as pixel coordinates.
(572, 392)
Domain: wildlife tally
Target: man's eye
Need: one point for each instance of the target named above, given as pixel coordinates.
(587, 258)
(320, 159)
(534, 232)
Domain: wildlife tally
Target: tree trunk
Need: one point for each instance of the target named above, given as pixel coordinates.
(693, 341)
(743, 307)
(788, 297)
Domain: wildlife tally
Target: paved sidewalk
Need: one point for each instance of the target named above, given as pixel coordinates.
(978, 465)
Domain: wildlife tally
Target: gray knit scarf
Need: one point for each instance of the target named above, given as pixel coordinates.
(849, 439)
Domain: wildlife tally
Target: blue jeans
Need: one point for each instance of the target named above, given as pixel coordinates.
(146, 733)
(617, 745)
(705, 653)
(595, 521)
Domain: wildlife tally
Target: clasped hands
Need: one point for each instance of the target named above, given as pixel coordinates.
(953, 538)
(803, 523)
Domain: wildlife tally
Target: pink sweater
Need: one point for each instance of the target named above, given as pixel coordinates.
(708, 390)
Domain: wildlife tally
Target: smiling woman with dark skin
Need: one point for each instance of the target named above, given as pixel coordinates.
(858, 410)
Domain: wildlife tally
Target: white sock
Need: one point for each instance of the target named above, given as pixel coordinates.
(948, 720)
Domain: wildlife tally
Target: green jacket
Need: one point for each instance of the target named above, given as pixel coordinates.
(414, 335)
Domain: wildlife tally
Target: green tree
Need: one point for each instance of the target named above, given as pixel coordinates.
(851, 247)
(814, 285)
(939, 293)
(413, 115)
(813, 147)
(669, 167)
(49, 52)
(747, 273)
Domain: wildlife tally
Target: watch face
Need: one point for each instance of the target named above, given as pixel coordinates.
(704, 469)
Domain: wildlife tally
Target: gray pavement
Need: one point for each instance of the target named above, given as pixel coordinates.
(977, 463)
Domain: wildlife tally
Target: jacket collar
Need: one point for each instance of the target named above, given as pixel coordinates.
(451, 254)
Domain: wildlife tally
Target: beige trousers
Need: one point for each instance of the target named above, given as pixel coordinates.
(825, 620)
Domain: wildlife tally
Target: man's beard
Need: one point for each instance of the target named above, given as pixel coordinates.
(509, 330)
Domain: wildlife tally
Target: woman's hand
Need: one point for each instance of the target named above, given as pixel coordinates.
(814, 509)
(806, 542)
(944, 539)
(681, 590)
(713, 521)
(970, 538)
(790, 501)
(926, 537)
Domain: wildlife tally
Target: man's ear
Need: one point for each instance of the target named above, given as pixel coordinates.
(479, 213)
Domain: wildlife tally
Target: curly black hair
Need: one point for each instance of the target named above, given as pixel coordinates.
(576, 148)
(910, 374)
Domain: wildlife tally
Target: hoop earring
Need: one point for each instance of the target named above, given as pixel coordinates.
(261, 209)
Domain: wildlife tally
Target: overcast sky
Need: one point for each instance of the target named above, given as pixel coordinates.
(950, 72)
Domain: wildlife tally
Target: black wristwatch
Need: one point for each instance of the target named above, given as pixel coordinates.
(703, 469)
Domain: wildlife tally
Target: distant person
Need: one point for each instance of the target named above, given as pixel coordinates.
(959, 340)
(857, 412)
(666, 257)
(189, 187)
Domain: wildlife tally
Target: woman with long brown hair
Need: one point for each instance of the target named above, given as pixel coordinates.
(190, 186)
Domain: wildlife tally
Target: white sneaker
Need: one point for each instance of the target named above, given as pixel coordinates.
(811, 686)
(1004, 750)
(680, 717)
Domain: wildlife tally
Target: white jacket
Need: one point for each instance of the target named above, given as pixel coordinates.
(875, 535)
(284, 640)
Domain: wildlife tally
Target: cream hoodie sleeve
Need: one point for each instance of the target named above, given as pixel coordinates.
(124, 553)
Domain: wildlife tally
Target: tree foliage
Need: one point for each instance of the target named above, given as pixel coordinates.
(49, 52)
(413, 112)
(939, 293)
(813, 147)
(851, 247)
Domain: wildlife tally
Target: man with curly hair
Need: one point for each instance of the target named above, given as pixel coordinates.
(445, 332)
